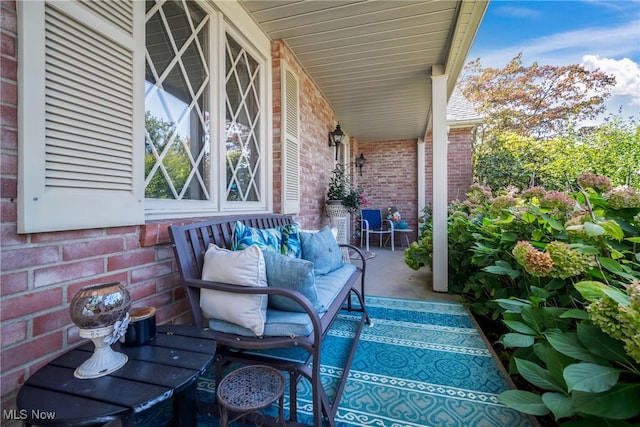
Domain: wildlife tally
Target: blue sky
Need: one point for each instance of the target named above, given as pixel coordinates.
(593, 33)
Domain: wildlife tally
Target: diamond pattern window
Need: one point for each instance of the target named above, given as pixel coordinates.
(243, 115)
(177, 146)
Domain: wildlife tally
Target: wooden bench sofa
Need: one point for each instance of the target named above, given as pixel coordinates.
(190, 242)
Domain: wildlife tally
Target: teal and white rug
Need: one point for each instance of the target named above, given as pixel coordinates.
(422, 363)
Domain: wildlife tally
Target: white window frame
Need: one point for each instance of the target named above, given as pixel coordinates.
(42, 208)
(228, 17)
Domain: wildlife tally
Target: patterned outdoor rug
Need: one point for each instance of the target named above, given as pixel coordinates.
(422, 363)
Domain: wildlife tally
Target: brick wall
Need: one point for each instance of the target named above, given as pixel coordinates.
(459, 162)
(389, 175)
(459, 158)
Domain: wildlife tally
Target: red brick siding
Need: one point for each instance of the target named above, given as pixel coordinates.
(459, 162)
(389, 177)
(389, 174)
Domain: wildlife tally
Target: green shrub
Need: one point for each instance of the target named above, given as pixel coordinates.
(584, 376)
(578, 233)
(562, 270)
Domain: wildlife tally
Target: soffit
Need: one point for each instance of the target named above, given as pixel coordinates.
(372, 59)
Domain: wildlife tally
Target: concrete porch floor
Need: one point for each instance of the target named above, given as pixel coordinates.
(388, 275)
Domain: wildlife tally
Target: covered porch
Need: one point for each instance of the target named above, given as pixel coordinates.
(75, 210)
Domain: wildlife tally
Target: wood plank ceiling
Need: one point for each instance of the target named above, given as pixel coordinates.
(373, 59)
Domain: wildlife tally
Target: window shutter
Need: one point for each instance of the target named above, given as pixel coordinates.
(290, 142)
(81, 115)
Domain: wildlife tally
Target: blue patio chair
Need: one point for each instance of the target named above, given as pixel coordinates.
(372, 223)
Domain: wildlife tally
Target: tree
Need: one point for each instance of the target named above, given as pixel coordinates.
(536, 101)
(176, 162)
(611, 149)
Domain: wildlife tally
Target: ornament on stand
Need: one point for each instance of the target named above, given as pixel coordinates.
(101, 312)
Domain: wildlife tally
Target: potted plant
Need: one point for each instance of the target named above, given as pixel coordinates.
(343, 199)
(355, 199)
(338, 185)
(342, 194)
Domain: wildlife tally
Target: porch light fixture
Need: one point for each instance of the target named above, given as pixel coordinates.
(360, 162)
(335, 138)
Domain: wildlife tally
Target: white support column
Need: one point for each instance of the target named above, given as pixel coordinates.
(440, 180)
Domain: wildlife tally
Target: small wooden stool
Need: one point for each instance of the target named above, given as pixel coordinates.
(248, 390)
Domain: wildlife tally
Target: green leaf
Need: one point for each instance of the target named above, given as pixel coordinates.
(596, 421)
(512, 305)
(554, 223)
(554, 361)
(560, 404)
(617, 295)
(612, 229)
(586, 249)
(567, 343)
(519, 327)
(611, 265)
(590, 377)
(575, 313)
(633, 239)
(537, 375)
(509, 236)
(590, 289)
(524, 401)
(502, 268)
(527, 217)
(532, 316)
(517, 340)
(601, 344)
(540, 293)
(620, 403)
(593, 230)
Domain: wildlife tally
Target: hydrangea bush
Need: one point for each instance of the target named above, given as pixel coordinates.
(561, 269)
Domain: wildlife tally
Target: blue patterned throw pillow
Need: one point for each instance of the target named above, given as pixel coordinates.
(291, 246)
(269, 239)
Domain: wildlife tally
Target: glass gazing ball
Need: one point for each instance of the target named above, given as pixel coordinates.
(99, 306)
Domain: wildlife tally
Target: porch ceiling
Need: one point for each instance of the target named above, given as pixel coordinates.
(373, 59)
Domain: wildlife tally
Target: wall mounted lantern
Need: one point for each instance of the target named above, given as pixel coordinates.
(360, 162)
(335, 138)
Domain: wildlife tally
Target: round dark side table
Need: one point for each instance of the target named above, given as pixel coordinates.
(248, 390)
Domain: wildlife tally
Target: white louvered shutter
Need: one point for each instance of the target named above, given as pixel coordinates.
(81, 115)
(290, 142)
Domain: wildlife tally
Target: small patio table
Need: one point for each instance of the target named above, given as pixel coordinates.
(166, 368)
(403, 233)
(248, 390)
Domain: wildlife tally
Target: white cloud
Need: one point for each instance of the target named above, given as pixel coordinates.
(605, 41)
(516, 12)
(626, 71)
(568, 47)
